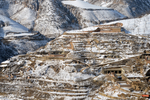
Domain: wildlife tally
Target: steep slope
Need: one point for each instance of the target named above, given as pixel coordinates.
(6, 51)
(58, 17)
(26, 17)
(16, 39)
(70, 67)
(130, 8)
(49, 17)
(15, 44)
(53, 18)
(89, 15)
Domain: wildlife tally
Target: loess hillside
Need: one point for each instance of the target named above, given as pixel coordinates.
(75, 65)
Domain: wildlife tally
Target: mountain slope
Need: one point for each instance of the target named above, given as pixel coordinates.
(129, 8)
(136, 26)
(16, 39)
(70, 67)
(49, 17)
(89, 15)
(10, 26)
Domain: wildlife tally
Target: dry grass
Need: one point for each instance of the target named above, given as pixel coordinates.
(2, 93)
(32, 64)
(124, 95)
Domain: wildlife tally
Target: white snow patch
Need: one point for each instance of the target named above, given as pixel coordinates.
(133, 75)
(83, 4)
(106, 4)
(25, 17)
(135, 26)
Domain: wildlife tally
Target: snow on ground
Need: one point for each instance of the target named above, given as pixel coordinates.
(6, 62)
(22, 34)
(102, 15)
(3, 65)
(89, 29)
(62, 74)
(136, 26)
(133, 75)
(10, 97)
(83, 4)
(92, 14)
(82, 30)
(100, 97)
(12, 27)
(26, 17)
(106, 4)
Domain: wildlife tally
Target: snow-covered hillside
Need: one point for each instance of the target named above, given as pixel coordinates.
(137, 25)
(130, 8)
(89, 15)
(53, 18)
(25, 17)
(40, 60)
(71, 67)
(49, 17)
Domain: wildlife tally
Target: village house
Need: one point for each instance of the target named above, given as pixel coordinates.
(116, 70)
(113, 28)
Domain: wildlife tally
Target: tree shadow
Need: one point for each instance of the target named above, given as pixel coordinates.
(124, 30)
(2, 33)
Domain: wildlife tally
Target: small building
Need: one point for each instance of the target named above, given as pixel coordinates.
(116, 70)
(112, 28)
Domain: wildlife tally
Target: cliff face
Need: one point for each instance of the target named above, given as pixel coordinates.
(130, 8)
